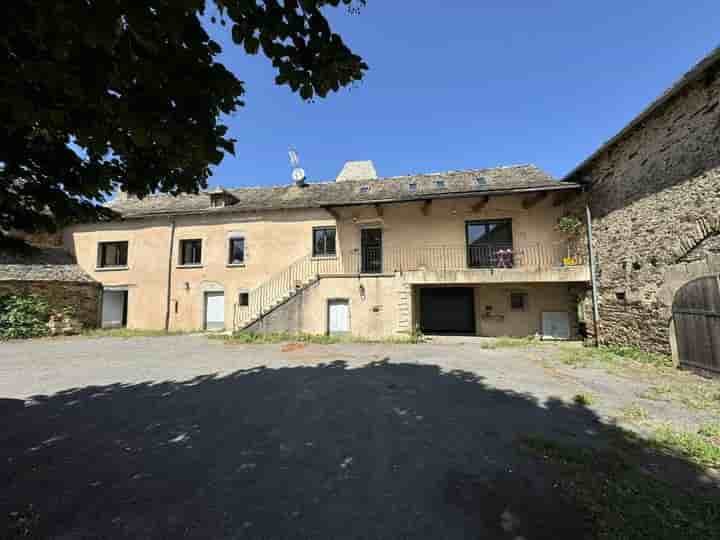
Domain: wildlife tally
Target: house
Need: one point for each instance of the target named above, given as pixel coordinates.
(49, 272)
(655, 201)
(465, 252)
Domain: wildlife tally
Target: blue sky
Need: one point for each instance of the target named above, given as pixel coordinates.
(467, 84)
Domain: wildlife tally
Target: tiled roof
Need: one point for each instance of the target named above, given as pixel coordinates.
(40, 264)
(316, 195)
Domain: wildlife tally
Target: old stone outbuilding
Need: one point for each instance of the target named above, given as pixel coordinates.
(654, 192)
(52, 274)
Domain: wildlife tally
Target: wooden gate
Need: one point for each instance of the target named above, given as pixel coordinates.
(696, 313)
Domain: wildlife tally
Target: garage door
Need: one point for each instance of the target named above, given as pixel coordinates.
(447, 310)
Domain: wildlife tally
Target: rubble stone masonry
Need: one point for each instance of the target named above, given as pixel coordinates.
(655, 199)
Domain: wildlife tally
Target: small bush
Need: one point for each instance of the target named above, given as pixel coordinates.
(23, 317)
(584, 400)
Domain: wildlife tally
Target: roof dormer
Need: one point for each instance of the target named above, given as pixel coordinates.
(220, 197)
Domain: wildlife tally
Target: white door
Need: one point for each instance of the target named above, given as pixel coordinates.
(555, 325)
(338, 317)
(113, 309)
(214, 311)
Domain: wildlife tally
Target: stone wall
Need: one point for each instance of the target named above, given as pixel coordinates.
(655, 199)
(83, 297)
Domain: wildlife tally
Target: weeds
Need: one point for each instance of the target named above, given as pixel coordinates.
(624, 502)
(251, 338)
(506, 342)
(701, 447)
(584, 400)
(634, 412)
(612, 357)
(129, 333)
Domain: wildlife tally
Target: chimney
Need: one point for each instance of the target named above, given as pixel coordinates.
(357, 170)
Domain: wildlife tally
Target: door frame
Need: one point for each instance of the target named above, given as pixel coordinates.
(363, 270)
(207, 294)
(327, 315)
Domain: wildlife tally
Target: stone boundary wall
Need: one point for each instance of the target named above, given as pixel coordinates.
(655, 199)
(83, 297)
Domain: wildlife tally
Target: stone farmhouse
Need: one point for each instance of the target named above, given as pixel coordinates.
(466, 252)
(469, 252)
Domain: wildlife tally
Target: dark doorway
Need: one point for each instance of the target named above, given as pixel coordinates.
(447, 310)
(371, 251)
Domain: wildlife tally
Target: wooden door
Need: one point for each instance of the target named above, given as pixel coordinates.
(696, 314)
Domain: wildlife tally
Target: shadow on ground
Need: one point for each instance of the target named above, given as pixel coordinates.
(383, 451)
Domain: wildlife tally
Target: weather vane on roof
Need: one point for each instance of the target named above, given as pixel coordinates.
(298, 174)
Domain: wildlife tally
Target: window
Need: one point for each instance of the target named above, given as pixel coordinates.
(518, 301)
(364, 189)
(237, 251)
(217, 201)
(480, 181)
(324, 242)
(244, 299)
(412, 187)
(190, 252)
(440, 183)
(112, 254)
(489, 243)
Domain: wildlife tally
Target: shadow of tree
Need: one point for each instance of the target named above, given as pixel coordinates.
(383, 451)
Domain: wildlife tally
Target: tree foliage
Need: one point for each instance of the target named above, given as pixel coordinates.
(23, 317)
(128, 94)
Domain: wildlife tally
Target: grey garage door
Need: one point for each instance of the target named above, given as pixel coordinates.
(447, 310)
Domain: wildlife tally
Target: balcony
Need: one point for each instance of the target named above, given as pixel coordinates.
(482, 263)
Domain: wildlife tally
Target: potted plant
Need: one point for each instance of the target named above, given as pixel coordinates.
(571, 227)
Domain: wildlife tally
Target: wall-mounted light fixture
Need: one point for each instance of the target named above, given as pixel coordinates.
(362, 292)
(187, 285)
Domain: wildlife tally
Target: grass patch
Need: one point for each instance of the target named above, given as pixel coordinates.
(701, 447)
(660, 392)
(584, 400)
(505, 342)
(612, 357)
(130, 333)
(251, 338)
(634, 412)
(624, 502)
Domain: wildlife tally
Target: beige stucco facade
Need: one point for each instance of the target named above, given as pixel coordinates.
(423, 244)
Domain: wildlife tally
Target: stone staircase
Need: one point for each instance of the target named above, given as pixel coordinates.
(277, 290)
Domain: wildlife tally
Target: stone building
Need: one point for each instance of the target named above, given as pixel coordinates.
(51, 273)
(654, 192)
(464, 252)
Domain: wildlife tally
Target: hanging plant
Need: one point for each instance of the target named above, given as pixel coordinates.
(570, 226)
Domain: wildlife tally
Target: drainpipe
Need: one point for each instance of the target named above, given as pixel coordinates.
(593, 278)
(169, 274)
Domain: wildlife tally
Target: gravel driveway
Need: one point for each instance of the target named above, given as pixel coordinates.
(185, 437)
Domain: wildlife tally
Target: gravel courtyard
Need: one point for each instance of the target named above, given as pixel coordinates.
(185, 437)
